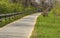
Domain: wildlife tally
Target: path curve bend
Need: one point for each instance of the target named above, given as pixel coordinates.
(21, 28)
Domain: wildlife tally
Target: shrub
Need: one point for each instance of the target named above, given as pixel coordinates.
(6, 7)
(30, 8)
(18, 7)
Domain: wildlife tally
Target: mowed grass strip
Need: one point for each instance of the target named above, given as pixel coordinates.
(47, 27)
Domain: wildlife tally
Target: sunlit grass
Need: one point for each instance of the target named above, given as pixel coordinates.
(48, 27)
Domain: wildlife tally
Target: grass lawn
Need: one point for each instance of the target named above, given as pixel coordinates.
(47, 27)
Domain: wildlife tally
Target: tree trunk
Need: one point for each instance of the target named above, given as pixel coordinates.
(46, 7)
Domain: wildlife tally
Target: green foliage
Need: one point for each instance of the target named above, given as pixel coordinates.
(6, 7)
(19, 7)
(56, 8)
(30, 8)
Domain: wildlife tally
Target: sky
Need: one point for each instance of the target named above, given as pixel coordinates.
(38, 1)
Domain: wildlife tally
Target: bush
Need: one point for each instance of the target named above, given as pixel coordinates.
(19, 7)
(30, 8)
(56, 9)
(6, 7)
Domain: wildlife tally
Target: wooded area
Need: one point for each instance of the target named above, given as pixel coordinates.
(46, 5)
(18, 5)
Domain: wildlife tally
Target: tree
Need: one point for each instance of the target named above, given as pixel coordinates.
(46, 6)
(26, 3)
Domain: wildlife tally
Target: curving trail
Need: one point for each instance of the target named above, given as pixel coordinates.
(21, 28)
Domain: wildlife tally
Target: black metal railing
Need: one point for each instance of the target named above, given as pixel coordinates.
(7, 18)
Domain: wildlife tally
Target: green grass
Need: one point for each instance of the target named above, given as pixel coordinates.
(47, 27)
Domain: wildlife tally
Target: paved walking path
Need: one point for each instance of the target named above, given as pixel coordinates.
(21, 28)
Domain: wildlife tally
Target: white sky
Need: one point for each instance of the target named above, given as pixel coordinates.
(38, 1)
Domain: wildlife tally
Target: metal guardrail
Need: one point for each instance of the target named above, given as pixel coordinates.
(12, 14)
(3, 16)
(9, 14)
(6, 18)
